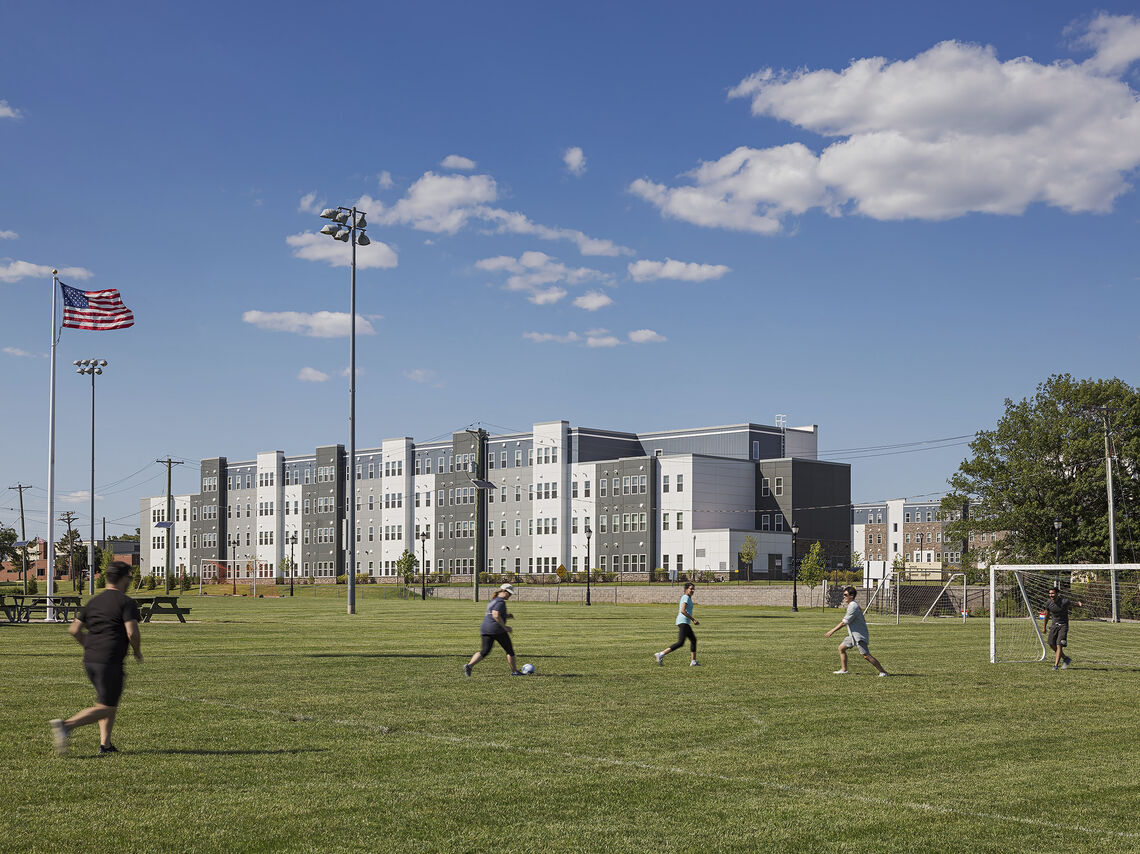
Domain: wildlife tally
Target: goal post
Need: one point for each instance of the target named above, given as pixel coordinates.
(945, 605)
(1105, 625)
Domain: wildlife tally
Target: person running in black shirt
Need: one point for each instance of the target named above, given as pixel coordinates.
(103, 627)
(495, 629)
(1058, 637)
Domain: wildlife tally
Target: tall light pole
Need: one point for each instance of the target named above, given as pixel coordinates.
(423, 564)
(795, 568)
(1057, 536)
(234, 543)
(589, 533)
(348, 226)
(292, 561)
(93, 367)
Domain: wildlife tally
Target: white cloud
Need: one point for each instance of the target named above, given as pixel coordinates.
(593, 300)
(420, 375)
(575, 161)
(16, 351)
(13, 271)
(345, 371)
(645, 271)
(536, 274)
(544, 337)
(8, 235)
(312, 375)
(1114, 40)
(512, 222)
(384, 179)
(440, 203)
(80, 496)
(309, 204)
(313, 246)
(7, 112)
(645, 336)
(952, 131)
(321, 324)
(456, 161)
(602, 341)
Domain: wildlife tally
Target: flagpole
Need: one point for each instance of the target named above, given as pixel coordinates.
(50, 616)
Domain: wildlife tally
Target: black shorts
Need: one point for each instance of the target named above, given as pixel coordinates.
(1058, 634)
(504, 641)
(108, 681)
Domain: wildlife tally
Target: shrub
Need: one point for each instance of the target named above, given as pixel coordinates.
(101, 580)
(149, 583)
(361, 578)
(33, 586)
(184, 582)
(342, 579)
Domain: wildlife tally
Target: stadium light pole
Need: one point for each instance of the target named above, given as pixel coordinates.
(1057, 537)
(93, 367)
(795, 568)
(423, 564)
(292, 561)
(348, 226)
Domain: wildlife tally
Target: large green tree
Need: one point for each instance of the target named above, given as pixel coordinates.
(1045, 460)
(8, 550)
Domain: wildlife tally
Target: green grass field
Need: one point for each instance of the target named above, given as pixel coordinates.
(285, 725)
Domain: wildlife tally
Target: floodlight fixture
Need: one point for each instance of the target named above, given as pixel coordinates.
(362, 239)
(330, 229)
(328, 213)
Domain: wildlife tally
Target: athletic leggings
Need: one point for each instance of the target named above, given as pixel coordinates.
(684, 630)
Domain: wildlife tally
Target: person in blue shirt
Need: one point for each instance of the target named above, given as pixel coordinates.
(685, 623)
(495, 629)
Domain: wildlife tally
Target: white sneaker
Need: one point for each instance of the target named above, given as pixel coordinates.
(840, 672)
(694, 663)
(60, 734)
(659, 657)
(882, 673)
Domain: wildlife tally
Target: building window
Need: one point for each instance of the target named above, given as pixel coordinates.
(764, 490)
(665, 483)
(680, 522)
(681, 483)
(779, 486)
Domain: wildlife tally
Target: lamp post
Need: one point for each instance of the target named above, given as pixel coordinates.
(423, 564)
(795, 568)
(589, 534)
(348, 226)
(92, 367)
(292, 561)
(234, 543)
(1057, 537)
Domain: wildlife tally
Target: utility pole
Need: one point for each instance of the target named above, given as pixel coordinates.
(169, 463)
(23, 535)
(67, 518)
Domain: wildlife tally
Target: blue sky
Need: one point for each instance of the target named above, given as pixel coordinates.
(879, 218)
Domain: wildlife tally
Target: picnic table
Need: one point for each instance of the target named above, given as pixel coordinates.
(21, 608)
(151, 605)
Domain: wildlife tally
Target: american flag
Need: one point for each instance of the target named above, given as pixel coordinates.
(95, 309)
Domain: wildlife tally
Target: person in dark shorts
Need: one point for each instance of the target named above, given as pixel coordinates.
(104, 627)
(495, 629)
(1057, 637)
(685, 623)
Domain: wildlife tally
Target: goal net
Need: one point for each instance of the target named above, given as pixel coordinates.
(923, 597)
(1103, 629)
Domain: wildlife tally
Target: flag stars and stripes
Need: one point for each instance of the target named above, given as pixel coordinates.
(95, 310)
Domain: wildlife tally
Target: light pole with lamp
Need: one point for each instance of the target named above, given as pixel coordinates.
(234, 543)
(292, 561)
(424, 535)
(795, 568)
(348, 226)
(1057, 537)
(589, 534)
(93, 367)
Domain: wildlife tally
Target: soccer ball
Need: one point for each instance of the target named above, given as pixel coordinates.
(528, 669)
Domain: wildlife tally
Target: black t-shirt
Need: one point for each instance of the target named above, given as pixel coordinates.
(106, 617)
(1058, 610)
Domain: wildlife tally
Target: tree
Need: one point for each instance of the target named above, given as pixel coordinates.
(406, 565)
(813, 566)
(748, 553)
(71, 554)
(8, 539)
(1043, 461)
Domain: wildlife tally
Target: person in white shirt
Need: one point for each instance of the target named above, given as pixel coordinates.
(858, 635)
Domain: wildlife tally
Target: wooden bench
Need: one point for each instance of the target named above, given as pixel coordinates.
(65, 607)
(151, 605)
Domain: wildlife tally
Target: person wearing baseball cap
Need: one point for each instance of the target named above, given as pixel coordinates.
(495, 629)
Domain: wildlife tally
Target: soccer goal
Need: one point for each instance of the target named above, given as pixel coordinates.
(916, 595)
(1104, 628)
(951, 601)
